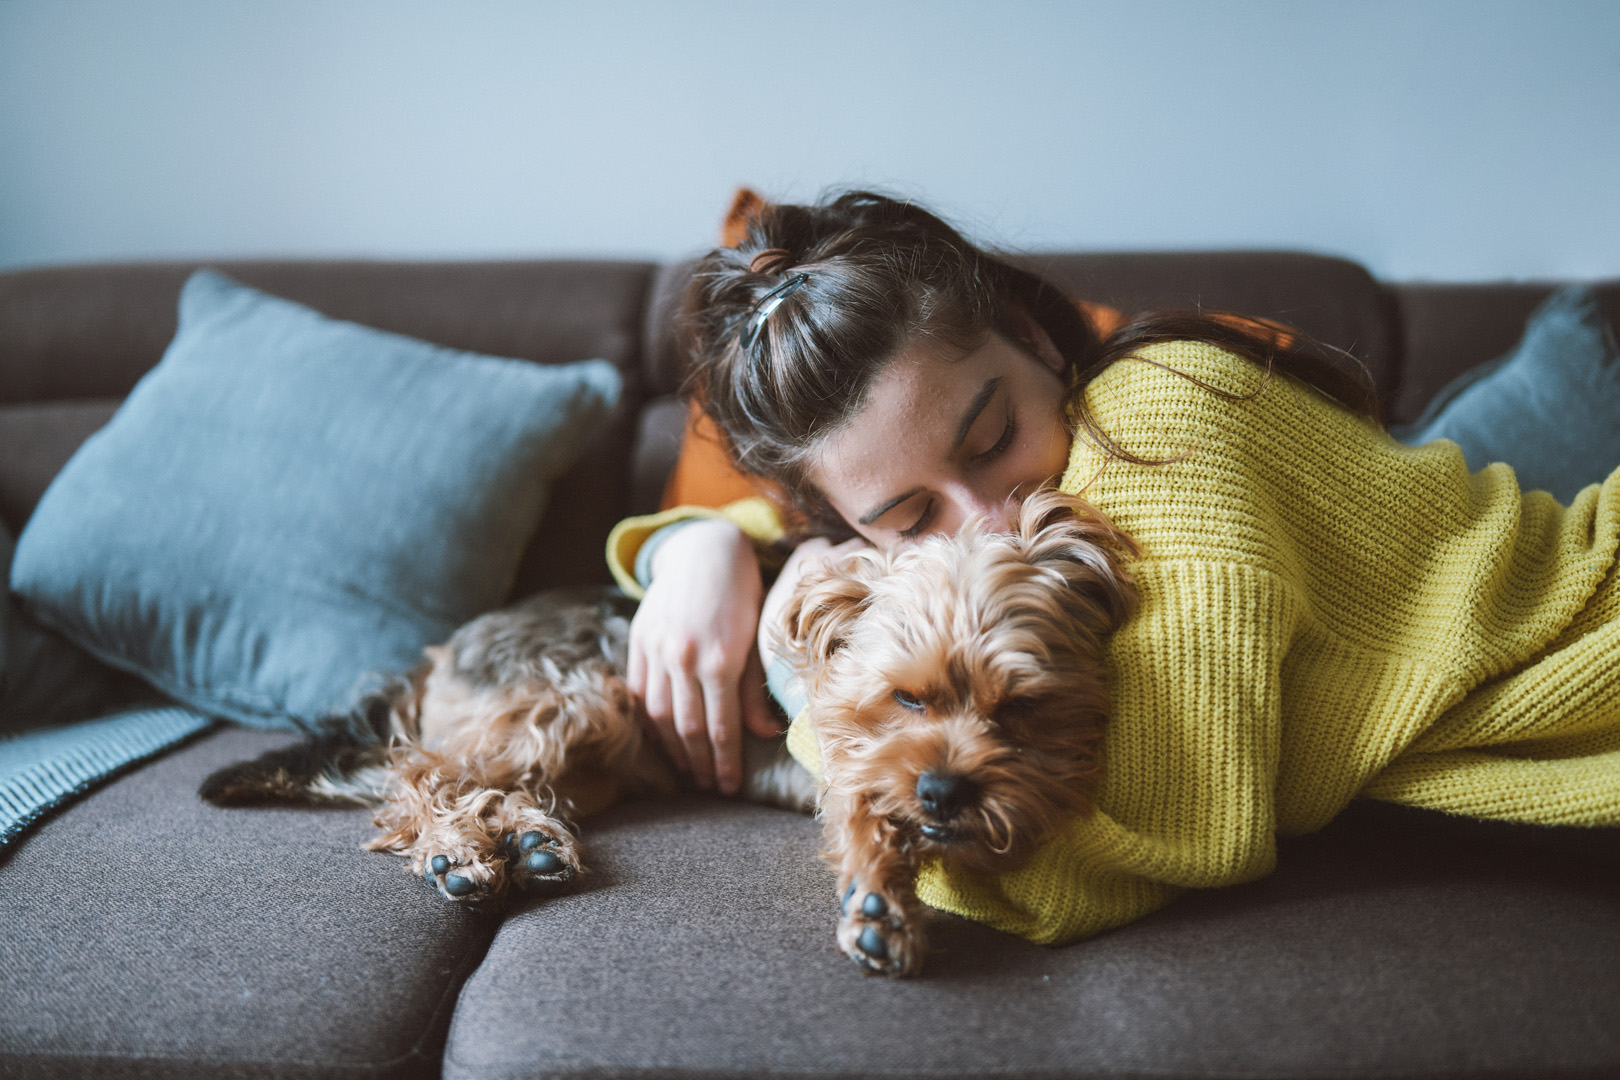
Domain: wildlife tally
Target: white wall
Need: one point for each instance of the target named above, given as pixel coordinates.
(1425, 138)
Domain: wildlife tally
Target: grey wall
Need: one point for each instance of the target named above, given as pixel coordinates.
(1457, 139)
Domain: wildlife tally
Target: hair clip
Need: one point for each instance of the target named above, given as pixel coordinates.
(769, 303)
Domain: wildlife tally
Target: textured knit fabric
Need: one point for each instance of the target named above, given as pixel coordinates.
(1325, 614)
(41, 770)
(756, 517)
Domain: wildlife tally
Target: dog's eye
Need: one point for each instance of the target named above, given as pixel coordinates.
(907, 701)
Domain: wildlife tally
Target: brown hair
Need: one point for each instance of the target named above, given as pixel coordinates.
(789, 329)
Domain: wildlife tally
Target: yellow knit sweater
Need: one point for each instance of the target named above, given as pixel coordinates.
(1325, 614)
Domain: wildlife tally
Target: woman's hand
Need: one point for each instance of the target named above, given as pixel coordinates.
(692, 658)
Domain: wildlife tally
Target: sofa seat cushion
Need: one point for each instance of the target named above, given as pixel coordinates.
(150, 934)
(1395, 943)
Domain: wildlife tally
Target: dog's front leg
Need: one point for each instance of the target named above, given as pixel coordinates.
(880, 917)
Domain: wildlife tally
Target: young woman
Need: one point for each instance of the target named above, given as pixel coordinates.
(1325, 613)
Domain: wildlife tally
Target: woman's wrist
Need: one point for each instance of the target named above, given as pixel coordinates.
(697, 538)
(651, 546)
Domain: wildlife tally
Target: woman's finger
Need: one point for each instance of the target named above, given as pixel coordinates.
(722, 711)
(691, 726)
(661, 720)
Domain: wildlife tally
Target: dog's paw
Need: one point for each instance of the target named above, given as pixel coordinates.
(876, 931)
(541, 857)
(462, 878)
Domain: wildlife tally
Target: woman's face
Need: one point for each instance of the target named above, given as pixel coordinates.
(945, 435)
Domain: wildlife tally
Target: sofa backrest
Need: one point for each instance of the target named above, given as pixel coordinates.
(74, 341)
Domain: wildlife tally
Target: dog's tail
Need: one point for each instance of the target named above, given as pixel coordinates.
(342, 762)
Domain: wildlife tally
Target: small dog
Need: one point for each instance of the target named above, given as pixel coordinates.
(956, 688)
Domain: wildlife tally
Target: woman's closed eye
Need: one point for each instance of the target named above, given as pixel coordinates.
(930, 510)
(1008, 434)
(926, 519)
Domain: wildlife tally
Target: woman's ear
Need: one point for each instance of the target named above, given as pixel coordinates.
(1033, 337)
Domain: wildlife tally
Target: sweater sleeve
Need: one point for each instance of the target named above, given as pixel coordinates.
(1190, 764)
(756, 517)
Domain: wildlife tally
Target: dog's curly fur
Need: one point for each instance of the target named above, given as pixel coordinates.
(956, 687)
(958, 692)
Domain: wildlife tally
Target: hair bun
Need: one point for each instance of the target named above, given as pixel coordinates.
(771, 261)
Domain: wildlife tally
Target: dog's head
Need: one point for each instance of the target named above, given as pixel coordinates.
(957, 685)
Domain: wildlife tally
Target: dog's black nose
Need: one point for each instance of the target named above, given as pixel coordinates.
(944, 795)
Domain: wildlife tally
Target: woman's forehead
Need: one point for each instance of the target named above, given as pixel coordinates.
(910, 420)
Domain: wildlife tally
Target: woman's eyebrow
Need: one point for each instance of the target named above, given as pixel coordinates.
(872, 515)
(977, 406)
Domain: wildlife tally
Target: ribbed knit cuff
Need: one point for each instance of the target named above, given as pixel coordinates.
(650, 546)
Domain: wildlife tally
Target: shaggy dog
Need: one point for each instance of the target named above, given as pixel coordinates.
(956, 690)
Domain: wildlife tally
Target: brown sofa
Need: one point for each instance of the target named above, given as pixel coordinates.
(144, 933)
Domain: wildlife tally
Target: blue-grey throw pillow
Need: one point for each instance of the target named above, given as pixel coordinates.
(1550, 408)
(288, 502)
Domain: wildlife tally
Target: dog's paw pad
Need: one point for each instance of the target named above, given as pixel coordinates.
(542, 862)
(877, 935)
(539, 859)
(466, 884)
(872, 944)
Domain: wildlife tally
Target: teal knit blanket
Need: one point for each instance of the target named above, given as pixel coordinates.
(41, 770)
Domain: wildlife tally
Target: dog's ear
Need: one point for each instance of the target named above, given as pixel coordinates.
(823, 606)
(1070, 537)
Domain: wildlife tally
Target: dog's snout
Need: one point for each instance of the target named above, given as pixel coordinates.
(945, 794)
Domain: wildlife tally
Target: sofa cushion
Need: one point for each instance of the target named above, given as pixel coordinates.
(1394, 943)
(1550, 408)
(290, 501)
(90, 332)
(150, 934)
(1446, 329)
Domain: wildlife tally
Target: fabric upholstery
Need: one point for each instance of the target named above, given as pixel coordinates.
(658, 443)
(42, 770)
(164, 937)
(92, 331)
(1550, 408)
(1448, 328)
(45, 680)
(36, 440)
(1394, 943)
(145, 934)
(288, 502)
